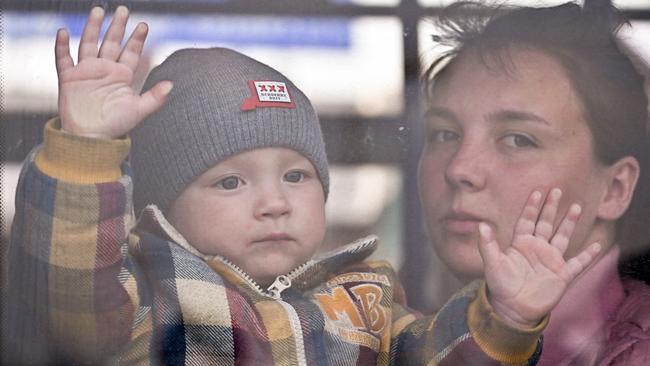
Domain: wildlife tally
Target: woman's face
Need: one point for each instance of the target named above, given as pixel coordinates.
(493, 138)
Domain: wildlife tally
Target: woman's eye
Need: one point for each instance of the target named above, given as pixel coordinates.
(294, 176)
(443, 136)
(517, 140)
(230, 182)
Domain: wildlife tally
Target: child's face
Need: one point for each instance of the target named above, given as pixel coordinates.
(262, 209)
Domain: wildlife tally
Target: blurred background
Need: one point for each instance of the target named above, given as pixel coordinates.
(358, 60)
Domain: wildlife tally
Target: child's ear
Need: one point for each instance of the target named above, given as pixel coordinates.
(622, 177)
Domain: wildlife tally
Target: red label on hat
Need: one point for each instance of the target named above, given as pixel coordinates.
(268, 94)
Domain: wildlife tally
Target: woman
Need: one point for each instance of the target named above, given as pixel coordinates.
(533, 99)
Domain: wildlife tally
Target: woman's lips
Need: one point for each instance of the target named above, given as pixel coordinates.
(462, 223)
(462, 226)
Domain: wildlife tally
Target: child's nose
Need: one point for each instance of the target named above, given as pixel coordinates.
(273, 203)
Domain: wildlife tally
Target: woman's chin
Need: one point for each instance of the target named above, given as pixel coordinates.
(463, 260)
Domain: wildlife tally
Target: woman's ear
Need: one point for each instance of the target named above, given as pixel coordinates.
(622, 177)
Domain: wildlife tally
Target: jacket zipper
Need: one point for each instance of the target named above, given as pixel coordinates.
(274, 291)
(294, 320)
(283, 282)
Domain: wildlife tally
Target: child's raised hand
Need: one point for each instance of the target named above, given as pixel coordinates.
(96, 98)
(527, 280)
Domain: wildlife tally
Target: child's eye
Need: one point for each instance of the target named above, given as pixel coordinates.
(518, 141)
(438, 136)
(231, 182)
(294, 176)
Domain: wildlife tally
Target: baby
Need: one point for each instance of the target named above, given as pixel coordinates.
(229, 174)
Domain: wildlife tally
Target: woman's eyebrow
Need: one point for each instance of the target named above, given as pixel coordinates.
(501, 116)
(442, 113)
(511, 115)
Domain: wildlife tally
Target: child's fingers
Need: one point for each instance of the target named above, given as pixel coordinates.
(488, 246)
(154, 98)
(544, 226)
(90, 34)
(130, 55)
(581, 261)
(62, 56)
(112, 44)
(565, 230)
(526, 223)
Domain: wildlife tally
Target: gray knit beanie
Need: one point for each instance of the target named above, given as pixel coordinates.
(222, 103)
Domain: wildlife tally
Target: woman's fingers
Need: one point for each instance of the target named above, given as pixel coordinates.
(62, 56)
(130, 55)
(90, 34)
(112, 43)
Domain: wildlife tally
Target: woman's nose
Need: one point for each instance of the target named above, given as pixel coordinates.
(468, 167)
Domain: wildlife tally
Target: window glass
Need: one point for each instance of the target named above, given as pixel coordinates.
(622, 4)
(368, 2)
(353, 68)
(346, 66)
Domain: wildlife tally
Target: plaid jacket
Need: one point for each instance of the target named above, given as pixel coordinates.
(89, 285)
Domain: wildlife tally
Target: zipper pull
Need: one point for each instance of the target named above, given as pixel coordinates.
(280, 284)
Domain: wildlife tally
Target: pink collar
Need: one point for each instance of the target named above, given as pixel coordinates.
(576, 331)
